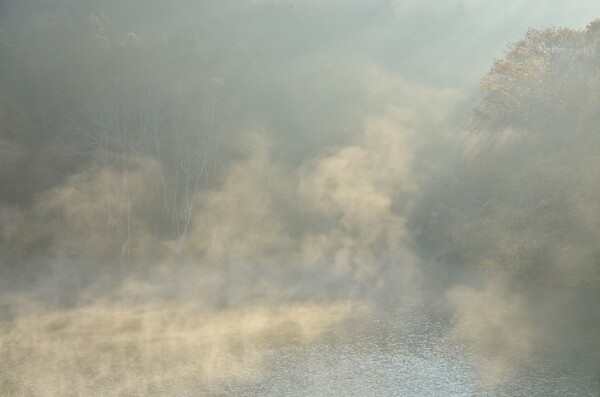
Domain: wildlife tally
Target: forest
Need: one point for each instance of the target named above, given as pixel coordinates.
(116, 146)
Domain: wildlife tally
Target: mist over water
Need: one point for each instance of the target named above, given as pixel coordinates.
(275, 197)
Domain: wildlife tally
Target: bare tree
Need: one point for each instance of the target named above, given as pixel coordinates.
(181, 132)
(196, 141)
(108, 130)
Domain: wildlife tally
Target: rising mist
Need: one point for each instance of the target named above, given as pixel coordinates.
(190, 191)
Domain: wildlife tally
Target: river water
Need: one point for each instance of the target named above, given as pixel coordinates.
(429, 348)
(410, 354)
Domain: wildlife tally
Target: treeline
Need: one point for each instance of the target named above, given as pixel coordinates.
(81, 100)
(524, 197)
(108, 138)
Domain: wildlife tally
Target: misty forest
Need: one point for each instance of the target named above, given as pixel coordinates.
(303, 198)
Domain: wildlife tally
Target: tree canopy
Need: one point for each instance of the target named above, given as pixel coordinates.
(524, 197)
(548, 70)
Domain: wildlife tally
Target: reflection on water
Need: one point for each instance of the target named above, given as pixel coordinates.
(302, 350)
(409, 354)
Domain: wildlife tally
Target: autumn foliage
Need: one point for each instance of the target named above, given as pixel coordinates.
(524, 199)
(546, 70)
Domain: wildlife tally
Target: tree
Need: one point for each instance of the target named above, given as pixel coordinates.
(524, 198)
(188, 155)
(538, 73)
